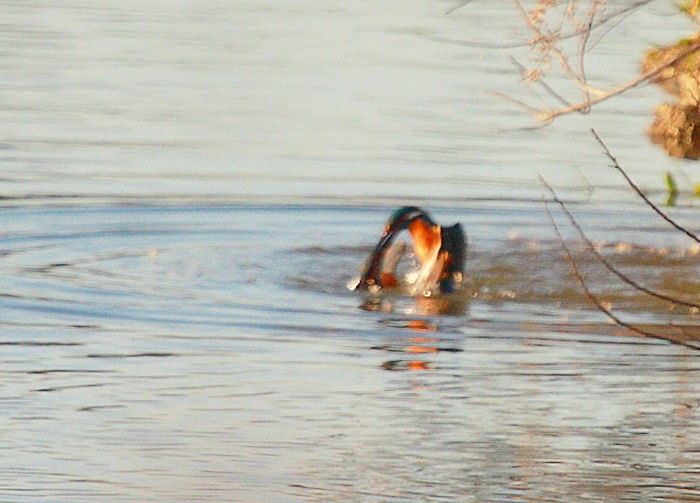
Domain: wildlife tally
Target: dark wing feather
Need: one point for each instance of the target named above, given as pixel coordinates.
(455, 244)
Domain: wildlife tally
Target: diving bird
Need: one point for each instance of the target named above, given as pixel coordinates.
(440, 250)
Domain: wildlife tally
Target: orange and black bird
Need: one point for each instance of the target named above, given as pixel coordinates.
(440, 250)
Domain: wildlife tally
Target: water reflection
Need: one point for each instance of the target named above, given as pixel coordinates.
(416, 345)
(186, 188)
(456, 304)
(535, 272)
(243, 311)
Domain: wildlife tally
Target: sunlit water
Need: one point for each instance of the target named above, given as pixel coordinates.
(188, 189)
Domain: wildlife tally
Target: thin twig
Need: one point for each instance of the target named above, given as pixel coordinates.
(550, 40)
(624, 15)
(505, 97)
(581, 56)
(541, 83)
(596, 302)
(617, 166)
(549, 116)
(515, 45)
(458, 6)
(605, 262)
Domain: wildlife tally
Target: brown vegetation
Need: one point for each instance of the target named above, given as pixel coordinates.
(675, 68)
(677, 125)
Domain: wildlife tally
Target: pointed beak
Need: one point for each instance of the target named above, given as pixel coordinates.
(370, 274)
(384, 241)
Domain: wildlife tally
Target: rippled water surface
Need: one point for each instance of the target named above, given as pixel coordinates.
(188, 189)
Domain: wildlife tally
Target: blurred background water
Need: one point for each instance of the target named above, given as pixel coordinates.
(186, 189)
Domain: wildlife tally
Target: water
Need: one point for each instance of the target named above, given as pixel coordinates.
(187, 189)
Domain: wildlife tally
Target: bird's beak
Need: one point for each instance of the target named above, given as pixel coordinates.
(373, 268)
(383, 243)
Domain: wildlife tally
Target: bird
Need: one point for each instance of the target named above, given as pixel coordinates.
(440, 250)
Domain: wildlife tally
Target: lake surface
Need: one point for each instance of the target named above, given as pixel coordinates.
(187, 189)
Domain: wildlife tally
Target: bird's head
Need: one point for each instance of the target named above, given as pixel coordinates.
(401, 219)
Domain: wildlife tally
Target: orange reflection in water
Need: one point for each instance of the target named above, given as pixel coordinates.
(415, 345)
(421, 349)
(422, 326)
(407, 365)
(424, 339)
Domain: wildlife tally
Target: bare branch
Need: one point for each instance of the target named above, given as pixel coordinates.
(548, 116)
(581, 58)
(596, 302)
(458, 6)
(550, 41)
(541, 83)
(663, 215)
(605, 262)
(486, 45)
(522, 105)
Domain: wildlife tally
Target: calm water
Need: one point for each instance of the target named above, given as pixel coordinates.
(188, 188)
